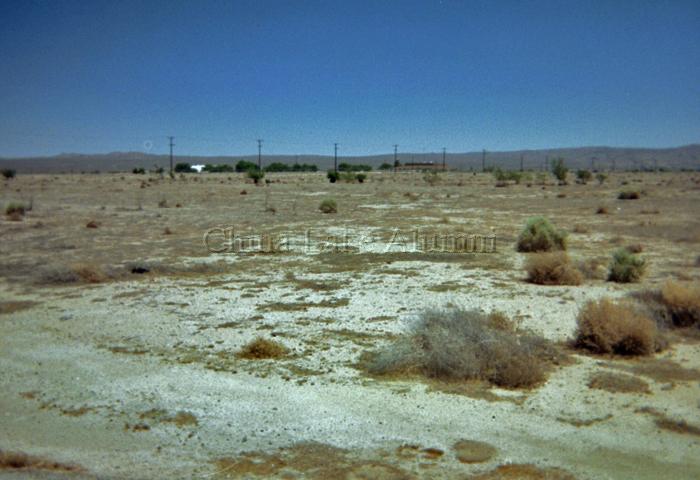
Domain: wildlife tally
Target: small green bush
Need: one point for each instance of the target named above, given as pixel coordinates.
(385, 166)
(333, 176)
(503, 176)
(256, 175)
(584, 176)
(601, 177)
(626, 267)
(138, 171)
(540, 235)
(559, 170)
(328, 206)
(348, 177)
(361, 177)
(8, 173)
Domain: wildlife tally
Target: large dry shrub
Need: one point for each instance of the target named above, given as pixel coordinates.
(553, 268)
(615, 327)
(540, 235)
(460, 344)
(682, 302)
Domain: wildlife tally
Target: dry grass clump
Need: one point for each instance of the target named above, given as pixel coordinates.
(629, 195)
(15, 211)
(626, 267)
(23, 461)
(261, 348)
(540, 235)
(459, 344)
(615, 327)
(92, 224)
(617, 383)
(328, 206)
(89, 273)
(602, 210)
(593, 268)
(682, 302)
(635, 248)
(65, 274)
(552, 268)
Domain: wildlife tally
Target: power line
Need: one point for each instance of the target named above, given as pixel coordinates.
(444, 150)
(260, 153)
(483, 160)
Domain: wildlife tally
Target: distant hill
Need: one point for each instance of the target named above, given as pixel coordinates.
(604, 158)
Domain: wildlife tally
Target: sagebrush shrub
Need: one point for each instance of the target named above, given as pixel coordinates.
(554, 268)
(328, 206)
(540, 235)
(460, 344)
(615, 327)
(626, 267)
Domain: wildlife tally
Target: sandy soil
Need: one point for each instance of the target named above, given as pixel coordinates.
(132, 375)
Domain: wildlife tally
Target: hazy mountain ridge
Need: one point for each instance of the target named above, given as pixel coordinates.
(675, 158)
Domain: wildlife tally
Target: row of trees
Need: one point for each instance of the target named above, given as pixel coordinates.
(245, 166)
(558, 168)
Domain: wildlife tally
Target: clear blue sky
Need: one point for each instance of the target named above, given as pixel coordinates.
(96, 76)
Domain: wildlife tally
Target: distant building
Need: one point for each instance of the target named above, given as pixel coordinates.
(421, 167)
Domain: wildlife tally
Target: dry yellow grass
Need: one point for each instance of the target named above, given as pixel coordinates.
(683, 302)
(617, 383)
(615, 327)
(553, 268)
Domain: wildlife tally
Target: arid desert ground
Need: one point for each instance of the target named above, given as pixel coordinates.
(125, 348)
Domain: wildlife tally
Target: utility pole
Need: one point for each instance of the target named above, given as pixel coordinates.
(260, 154)
(171, 154)
(396, 158)
(444, 167)
(546, 163)
(335, 157)
(521, 163)
(483, 160)
(613, 164)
